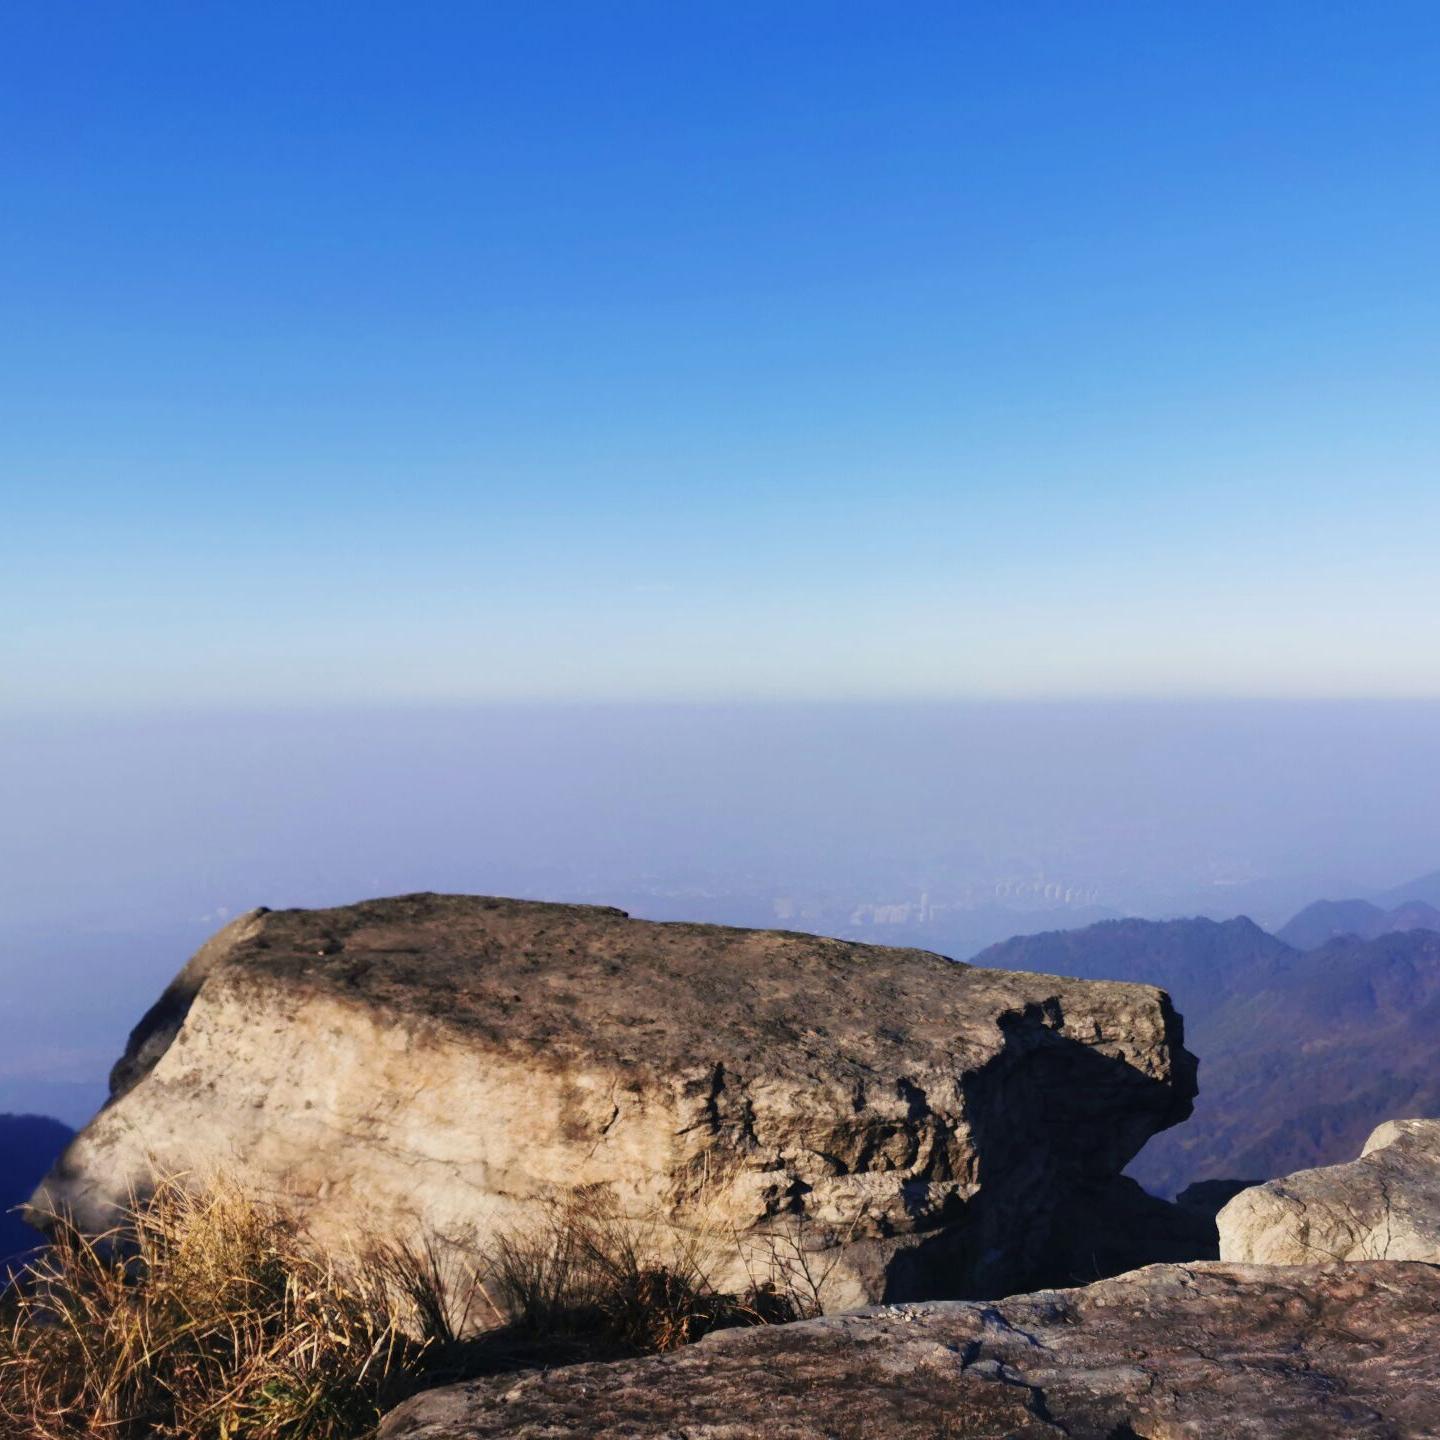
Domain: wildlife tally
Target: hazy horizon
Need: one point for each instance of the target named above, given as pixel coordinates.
(128, 841)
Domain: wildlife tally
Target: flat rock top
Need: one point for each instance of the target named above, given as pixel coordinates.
(567, 980)
(1172, 1351)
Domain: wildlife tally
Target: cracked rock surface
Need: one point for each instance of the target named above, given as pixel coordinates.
(1383, 1206)
(437, 1065)
(1199, 1352)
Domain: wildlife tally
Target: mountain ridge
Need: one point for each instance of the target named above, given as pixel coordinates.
(1326, 920)
(1302, 1052)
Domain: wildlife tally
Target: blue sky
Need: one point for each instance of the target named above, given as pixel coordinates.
(633, 351)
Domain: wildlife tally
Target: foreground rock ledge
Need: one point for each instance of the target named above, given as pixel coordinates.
(436, 1065)
(1200, 1352)
(1383, 1206)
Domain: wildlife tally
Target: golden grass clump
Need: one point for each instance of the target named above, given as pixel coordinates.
(206, 1316)
(585, 1270)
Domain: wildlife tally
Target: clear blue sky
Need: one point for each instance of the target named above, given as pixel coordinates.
(618, 350)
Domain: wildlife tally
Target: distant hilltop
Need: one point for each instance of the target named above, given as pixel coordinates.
(1305, 1047)
(1328, 920)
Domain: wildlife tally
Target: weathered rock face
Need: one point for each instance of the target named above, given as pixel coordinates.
(1210, 1351)
(1383, 1206)
(436, 1064)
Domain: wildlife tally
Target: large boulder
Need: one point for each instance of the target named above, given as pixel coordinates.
(1350, 1352)
(437, 1065)
(1383, 1206)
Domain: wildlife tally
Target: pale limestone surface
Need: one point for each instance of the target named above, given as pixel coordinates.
(1383, 1206)
(440, 1064)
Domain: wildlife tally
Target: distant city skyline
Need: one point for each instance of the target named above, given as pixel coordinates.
(549, 351)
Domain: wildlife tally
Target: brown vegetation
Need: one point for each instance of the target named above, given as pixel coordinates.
(209, 1316)
(583, 1270)
(206, 1315)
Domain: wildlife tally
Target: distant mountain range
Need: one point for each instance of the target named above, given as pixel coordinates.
(1303, 1046)
(1200, 962)
(1425, 889)
(1327, 920)
(29, 1145)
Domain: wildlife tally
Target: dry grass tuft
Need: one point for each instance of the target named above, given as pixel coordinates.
(643, 1287)
(205, 1316)
(209, 1316)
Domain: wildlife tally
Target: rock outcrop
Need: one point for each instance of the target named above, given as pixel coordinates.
(1304, 1053)
(1166, 1353)
(438, 1064)
(1383, 1206)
